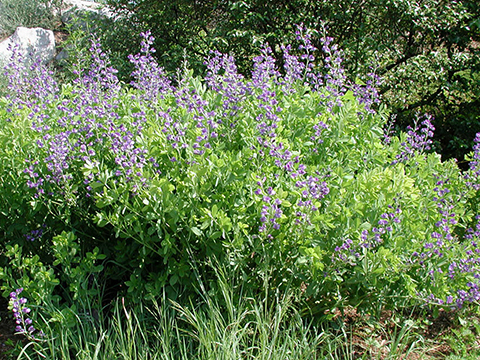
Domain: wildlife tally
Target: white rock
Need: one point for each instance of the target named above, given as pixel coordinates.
(35, 42)
(79, 13)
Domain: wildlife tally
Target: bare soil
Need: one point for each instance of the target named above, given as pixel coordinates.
(374, 337)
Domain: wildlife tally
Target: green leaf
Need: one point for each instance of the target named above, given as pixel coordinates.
(196, 231)
(214, 210)
(349, 96)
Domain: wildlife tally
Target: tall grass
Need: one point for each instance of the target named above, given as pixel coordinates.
(211, 327)
(225, 324)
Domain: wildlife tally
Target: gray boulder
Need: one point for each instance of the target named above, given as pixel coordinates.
(83, 14)
(35, 42)
(41, 42)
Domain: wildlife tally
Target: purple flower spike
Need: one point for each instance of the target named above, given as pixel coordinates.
(24, 324)
(418, 139)
(473, 176)
(148, 76)
(223, 77)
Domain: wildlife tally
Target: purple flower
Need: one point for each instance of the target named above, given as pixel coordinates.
(223, 77)
(271, 210)
(366, 92)
(30, 85)
(418, 138)
(24, 324)
(294, 69)
(473, 175)
(35, 235)
(148, 76)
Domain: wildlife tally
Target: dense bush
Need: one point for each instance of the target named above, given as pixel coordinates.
(290, 179)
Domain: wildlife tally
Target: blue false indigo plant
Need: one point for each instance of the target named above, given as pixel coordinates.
(284, 174)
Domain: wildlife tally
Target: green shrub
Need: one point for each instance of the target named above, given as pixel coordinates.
(289, 179)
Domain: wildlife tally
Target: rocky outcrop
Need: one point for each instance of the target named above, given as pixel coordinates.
(35, 42)
(41, 43)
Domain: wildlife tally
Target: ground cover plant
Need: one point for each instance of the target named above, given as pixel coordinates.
(289, 182)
